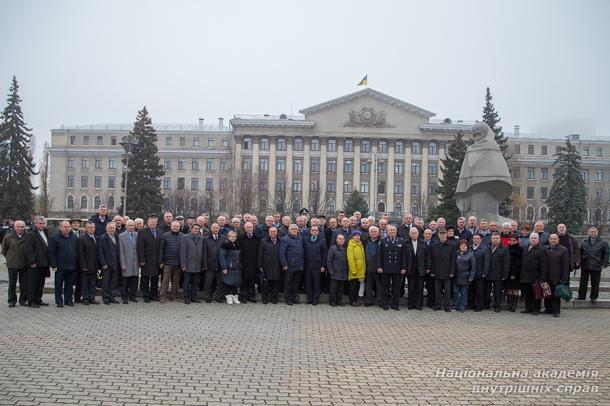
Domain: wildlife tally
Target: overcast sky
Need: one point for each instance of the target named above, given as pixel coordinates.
(85, 62)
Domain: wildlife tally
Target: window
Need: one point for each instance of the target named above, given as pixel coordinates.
(83, 203)
(585, 175)
(599, 175)
(223, 186)
(544, 193)
(247, 164)
(211, 143)
(517, 149)
(110, 203)
(530, 192)
(195, 164)
(544, 150)
(365, 146)
(381, 207)
(558, 149)
(297, 166)
(585, 151)
(100, 140)
(543, 213)
(181, 164)
(432, 168)
(398, 168)
(196, 142)
(382, 167)
(224, 165)
(332, 145)
(331, 166)
(111, 182)
(347, 187)
(516, 172)
(348, 146)
(97, 201)
(280, 185)
(167, 183)
(432, 149)
(348, 167)
(544, 173)
(180, 183)
(383, 146)
(86, 140)
(264, 144)
(530, 213)
(280, 165)
(314, 165)
(72, 139)
(364, 167)
(70, 203)
(112, 142)
(530, 173)
(194, 183)
(397, 207)
(209, 165)
(84, 182)
(70, 163)
(167, 165)
(598, 195)
(168, 141)
(297, 186)
(70, 181)
(98, 165)
(85, 164)
(182, 141)
(400, 148)
(415, 168)
(432, 189)
(530, 150)
(415, 188)
(364, 187)
(330, 186)
(599, 152)
(97, 182)
(298, 144)
(111, 164)
(381, 187)
(263, 164)
(313, 186)
(398, 188)
(281, 144)
(416, 148)
(225, 144)
(315, 144)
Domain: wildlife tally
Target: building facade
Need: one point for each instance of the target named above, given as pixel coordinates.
(386, 148)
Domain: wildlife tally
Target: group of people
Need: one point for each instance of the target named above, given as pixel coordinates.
(472, 265)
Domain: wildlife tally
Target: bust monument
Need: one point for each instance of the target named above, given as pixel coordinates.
(484, 180)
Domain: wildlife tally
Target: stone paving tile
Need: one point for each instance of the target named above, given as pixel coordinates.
(217, 354)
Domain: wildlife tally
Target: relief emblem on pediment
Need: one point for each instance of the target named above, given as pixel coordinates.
(367, 117)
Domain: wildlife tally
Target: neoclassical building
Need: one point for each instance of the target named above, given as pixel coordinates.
(386, 148)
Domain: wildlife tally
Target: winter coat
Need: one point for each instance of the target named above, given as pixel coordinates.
(211, 248)
(336, 263)
(559, 265)
(63, 252)
(573, 249)
(514, 273)
(481, 255)
(371, 250)
(14, 250)
(229, 257)
(315, 253)
(249, 254)
(269, 259)
(535, 264)
(418, 261)
(593, 253)
(128, 254)
(499, 264)
(36, 249)
(443, 260)
(391, 255)
(291, 253)
(100, 225)
(87, 254)
(191, 253)
(108, 252)
(148, 251)
(356, 260)
(465, 268)
(169, 248)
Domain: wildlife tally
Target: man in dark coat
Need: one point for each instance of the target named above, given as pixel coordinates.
(63, 261)
(535, 264)
(499, 267)
(594, 257)
(315, 250)
(481, 255)
(557, 272)
(169, 260)
(403, 230)
(344, 230)
(392, 265)
(213, 274)
(147, 246)
(571, 245)
(372, 280)
(292, 260)
(88, 264)
(269, 265)
(191, 262)
(248, 242)
(108, 254)
(100, 220)
(428, 278)
(37, 258)
(443, 269)
(418, 265)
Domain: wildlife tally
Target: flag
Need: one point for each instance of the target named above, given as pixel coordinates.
(364, 81)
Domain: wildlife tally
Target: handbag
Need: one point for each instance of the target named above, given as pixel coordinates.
(537, 288)
(546, 290)
(563, 291)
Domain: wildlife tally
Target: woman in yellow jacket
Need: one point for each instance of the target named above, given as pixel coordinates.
(356, 265)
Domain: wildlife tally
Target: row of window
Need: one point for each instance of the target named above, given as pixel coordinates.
(84, 202)
(99, 140)
(544, 150)
(348, 146)
(598, 194)
(544, 174)
(331, 166)
(196, 142)
(97, 182)
(97, 163)
(225, 165)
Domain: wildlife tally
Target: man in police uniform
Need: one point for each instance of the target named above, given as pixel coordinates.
(392, 265)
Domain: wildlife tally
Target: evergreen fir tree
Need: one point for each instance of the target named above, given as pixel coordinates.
(568, 197)
(16, 161)
(452, 164)
(145, 171)
(356, 202)
(492, 118)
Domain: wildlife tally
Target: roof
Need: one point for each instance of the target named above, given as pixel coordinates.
(372, 93)
(159, 127)
(268, 120)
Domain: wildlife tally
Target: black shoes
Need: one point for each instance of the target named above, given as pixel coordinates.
(34, 305)
(396, 308)
(70, 304)
(11, 304)
(333, 304)
(60, 305)
(195, 300)
(125, 301)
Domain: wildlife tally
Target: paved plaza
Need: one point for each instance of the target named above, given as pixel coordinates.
(275, 354)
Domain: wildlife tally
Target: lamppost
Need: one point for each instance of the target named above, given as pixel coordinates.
(128, 143)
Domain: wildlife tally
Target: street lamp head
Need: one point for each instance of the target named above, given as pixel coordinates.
(128, 143)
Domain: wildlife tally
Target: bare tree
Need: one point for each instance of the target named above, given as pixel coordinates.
(45, 202)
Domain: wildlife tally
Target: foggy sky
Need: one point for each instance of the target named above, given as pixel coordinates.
(85, 62)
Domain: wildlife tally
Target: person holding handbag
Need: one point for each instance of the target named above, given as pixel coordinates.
(558, 272)
(534, 264)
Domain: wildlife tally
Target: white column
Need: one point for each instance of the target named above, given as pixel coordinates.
(322, 185)
(255, 172)
(272, 170)
(340, 168)
(306, 169)
(390, 178)
(373, 179)
(407, 179)
(236, 182)
(357, 165)
(424, 176)
(288, 194)
(441, 156)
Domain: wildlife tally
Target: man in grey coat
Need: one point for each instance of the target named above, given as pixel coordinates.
(130, 268)
(191, 263)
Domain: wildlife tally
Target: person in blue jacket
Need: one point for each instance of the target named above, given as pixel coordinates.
(465, 269)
